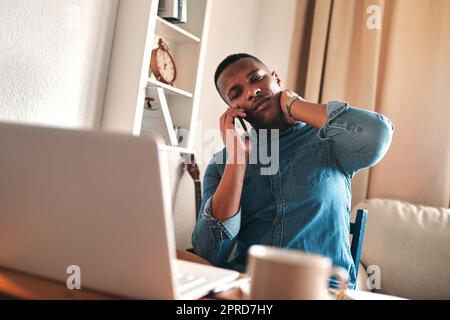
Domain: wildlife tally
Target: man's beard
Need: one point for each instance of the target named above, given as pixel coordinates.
(275, 120)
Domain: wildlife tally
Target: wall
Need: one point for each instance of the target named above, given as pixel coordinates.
(275, 36)
(54, 60)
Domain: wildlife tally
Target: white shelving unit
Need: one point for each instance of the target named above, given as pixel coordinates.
(138, 28)
(174, 33)
(170, 90)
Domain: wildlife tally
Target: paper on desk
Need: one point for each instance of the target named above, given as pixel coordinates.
(366, 295)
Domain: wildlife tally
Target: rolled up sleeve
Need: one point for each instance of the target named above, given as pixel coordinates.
(360, 137)
(213, 239)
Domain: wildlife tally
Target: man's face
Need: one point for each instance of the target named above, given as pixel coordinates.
(247, 84)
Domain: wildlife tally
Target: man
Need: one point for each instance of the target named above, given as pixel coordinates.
(305, 204)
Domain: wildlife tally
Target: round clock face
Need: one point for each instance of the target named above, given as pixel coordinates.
(165, 65)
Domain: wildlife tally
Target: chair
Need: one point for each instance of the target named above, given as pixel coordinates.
(357, 229)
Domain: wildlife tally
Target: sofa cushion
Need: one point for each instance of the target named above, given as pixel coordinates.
(411, 246)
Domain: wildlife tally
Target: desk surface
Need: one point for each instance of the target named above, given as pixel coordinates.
(18, 285)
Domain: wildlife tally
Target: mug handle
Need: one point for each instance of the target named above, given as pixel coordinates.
(341, 275)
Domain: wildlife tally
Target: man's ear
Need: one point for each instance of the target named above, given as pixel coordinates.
(277, 79)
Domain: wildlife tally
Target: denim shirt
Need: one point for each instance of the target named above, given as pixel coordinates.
(306, 204)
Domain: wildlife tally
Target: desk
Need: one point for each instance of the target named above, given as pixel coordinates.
(18, 285)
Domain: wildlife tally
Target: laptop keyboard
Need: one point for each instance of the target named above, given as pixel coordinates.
(187, 281)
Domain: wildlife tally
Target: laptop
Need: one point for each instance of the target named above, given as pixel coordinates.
(97, 201)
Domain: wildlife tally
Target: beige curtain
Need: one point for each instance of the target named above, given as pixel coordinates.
(401, 70)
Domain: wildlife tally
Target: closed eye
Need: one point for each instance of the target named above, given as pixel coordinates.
(257, 78)
(236, 94)
(254, 78)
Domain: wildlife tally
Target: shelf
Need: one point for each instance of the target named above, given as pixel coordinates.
(170, 90)
(173, 33)
(130, 80)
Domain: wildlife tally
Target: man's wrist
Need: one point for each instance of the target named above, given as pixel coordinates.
(289, 101)
(289, 107)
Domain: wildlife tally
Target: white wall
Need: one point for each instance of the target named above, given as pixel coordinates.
(274, 37)
(54, 57)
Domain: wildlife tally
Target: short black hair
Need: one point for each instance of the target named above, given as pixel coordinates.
(229, 60)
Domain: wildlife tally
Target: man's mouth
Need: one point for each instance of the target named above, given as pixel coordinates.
(261, 103)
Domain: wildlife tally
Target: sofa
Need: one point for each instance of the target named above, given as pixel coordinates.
(406, 250)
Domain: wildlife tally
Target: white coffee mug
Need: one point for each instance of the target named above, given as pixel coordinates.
(286, 274)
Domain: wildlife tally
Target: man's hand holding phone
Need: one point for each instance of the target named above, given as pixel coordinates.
(237, 148)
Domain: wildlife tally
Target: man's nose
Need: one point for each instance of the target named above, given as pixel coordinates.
(253, 93)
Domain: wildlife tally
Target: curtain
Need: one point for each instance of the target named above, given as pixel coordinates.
(399, 67)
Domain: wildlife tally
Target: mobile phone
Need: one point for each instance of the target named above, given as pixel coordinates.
(242, 125)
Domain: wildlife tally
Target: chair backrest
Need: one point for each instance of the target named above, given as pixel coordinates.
(357, 229)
